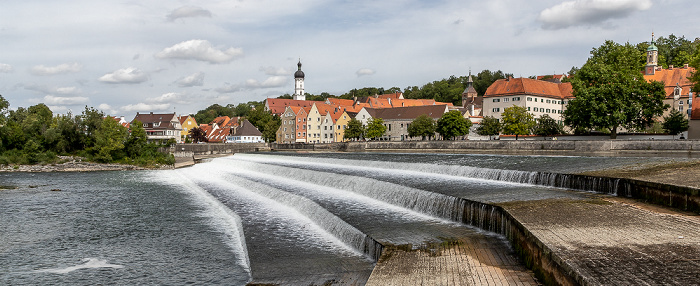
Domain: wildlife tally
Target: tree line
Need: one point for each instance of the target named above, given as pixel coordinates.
(34, 135)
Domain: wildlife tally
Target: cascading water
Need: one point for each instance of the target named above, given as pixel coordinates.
(330, 223)
(222, 218)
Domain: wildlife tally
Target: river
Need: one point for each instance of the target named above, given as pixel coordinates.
(284, 218)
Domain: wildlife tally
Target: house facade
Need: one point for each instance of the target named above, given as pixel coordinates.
(187, 122)
(287, 132)
(536, 96)
(245, 133)
(160, 127)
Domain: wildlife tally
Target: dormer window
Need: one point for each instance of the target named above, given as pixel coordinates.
(145, 125)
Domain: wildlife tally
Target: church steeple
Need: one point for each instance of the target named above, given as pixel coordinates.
(299, 83)
(469, 93)
(652, 57)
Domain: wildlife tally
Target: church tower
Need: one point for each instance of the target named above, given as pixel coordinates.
(299, 83)
(469, 93)
(652, 58)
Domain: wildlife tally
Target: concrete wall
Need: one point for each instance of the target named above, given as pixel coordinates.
(188, 150)
(603, 147)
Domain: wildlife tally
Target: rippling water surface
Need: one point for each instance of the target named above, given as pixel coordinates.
(299, 219)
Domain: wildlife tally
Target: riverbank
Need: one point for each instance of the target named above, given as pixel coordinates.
(76, 164)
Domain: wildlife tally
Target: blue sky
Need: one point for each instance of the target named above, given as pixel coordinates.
(125, 57)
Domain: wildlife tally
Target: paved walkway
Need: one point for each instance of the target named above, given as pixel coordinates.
(614, 241)
(474, 260)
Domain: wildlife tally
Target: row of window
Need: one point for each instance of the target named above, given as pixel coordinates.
(553, 111)
(507, 99)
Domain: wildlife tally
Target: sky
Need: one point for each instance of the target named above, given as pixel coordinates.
(124, 57)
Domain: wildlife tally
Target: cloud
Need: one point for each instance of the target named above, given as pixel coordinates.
(5, 68)
(139, 107)
(125, 75)
(59, 69)
(196, 79)
(228, 88)
(170, 97)
(362, 72)
(273, 81)
(275, 71)
(107, 109)
(58, 100)
(68, 90)
(200, 50)
(188, 12)
(589, 12)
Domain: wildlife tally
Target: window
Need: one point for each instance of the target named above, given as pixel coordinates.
(389, 127)
(680, 108)
(318, 127)
(528, 108)
(145, 125)
(285, 129)
(516, 98)
(680, 102)
(549, 101)
(170, 132)
(298, 134)
(536, 109)
(496, 110)
(548, 111)
(325, 127)
(529, 99)
(318, 119)
(506, 99)
(496, 100)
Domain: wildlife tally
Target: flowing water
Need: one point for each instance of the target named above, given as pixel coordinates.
(289, 219)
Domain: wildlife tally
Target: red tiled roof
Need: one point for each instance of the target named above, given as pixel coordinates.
(672, 78)
(528, 86)
(277, 105)
(340, 102)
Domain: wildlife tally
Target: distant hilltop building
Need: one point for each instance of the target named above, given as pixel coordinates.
(299, 83)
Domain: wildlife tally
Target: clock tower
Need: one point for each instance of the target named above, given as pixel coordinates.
(299, 83)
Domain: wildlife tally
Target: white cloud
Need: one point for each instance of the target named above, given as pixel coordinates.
(200, 50)
(362, 72)
(589, 12)
(5, 68)
(273, 81)
(107, 109)
(144, 107)
(69, 90)
(170, 97)
(125, 75)
(187, 12)
(59, 69)
(228, 88)
(275, 71)
(58, 100)
(196, 79)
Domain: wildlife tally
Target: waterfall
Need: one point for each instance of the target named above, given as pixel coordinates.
(610, 186)
(347, 234)
(224, 219)
(432, 204)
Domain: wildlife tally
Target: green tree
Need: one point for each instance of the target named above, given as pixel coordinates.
(489, 126)
(695, 77)
(517, 121)
(375, 128)
(90, 121)
(4, 106)
(547, 126)
(355, 129)
(137, 140)
(64, 136)
(675, 123)
(485, 78)
(610, 92)
(269, 132)
(109, 141)
(452, 124)
(423, 126)
(242, 109)
(213, 111)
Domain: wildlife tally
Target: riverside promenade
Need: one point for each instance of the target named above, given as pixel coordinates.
(590, 240)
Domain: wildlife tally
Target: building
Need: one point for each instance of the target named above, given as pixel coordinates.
(299, 83)
(340, 125)
(187, 122)
(277, 106)
(286, 134)
(398, 119)
(472, 103)
(694, 123)
(160, 127)
(679, 94)
(536, 96)
(245, 133)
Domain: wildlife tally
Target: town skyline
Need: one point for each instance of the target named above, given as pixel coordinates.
(125, 58)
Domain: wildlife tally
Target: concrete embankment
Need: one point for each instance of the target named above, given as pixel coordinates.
(684, 148)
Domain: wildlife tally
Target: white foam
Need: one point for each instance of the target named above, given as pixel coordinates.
(89, 264)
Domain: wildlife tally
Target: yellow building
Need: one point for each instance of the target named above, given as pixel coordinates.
(340, 125)
(187, 122)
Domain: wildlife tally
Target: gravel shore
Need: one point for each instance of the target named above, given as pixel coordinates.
(76, 164)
